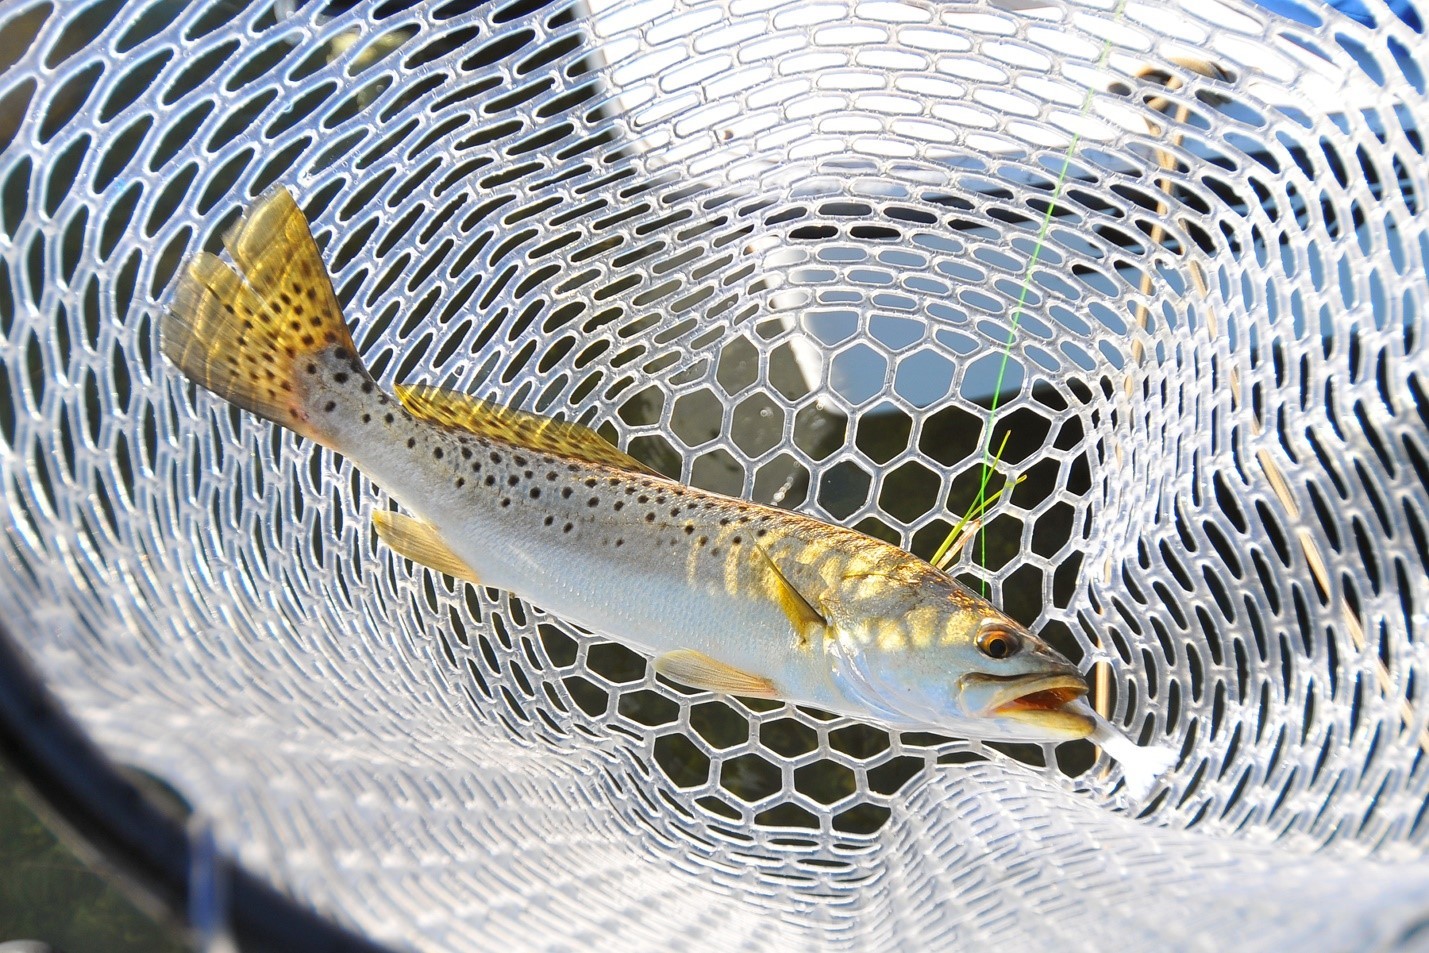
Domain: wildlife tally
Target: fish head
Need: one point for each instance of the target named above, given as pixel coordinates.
(1019, 686)
(941, 658)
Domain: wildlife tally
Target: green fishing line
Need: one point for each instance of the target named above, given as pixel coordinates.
(987, 458)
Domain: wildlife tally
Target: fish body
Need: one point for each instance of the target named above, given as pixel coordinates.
(727, 595)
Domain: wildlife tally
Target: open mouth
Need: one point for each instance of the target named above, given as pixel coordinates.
(1047, 698)
(1023, 694)
(1043, 704)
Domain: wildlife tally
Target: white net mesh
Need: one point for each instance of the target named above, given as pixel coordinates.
(774, 249)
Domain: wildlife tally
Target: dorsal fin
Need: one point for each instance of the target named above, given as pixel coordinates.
(516, 427)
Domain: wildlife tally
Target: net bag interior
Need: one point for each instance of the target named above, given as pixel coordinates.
(773, 249)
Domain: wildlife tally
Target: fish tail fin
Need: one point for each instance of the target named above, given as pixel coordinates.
(268, 335)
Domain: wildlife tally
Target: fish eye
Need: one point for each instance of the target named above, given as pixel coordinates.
(998, 644)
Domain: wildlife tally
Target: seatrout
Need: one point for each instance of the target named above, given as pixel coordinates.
(727, 595)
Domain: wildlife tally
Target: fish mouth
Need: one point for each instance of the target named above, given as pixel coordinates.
(1040, 701)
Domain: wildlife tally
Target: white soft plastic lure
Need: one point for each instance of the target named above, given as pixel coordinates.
(727, 595)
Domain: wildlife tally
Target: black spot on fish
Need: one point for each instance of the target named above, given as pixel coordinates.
(312, 368)
(566, 493)
(551, 476)
(329, 407)
(549, 520)
(495, 457)
(619, 542)
(593, 502)
(368, 387)
(649, 517)
(466, 453)
(460, 482)
(506, 501)
(519, 460)
(736, 541)
(724, 521)
(411, 442)
(760, 533)
(618, 505)
(512, 480)
(475, 467)
(527, 474)
(660, 500)
(438, 453)
(703, 540)
(567, 528)
(675, 511)
(591, 481)
(367, 418)
(535, 493)
(387, 418)
(490, 480)
(689, 529)
(644, 499)
(340, 377)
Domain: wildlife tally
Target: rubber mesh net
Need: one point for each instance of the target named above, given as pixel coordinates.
(774, 249)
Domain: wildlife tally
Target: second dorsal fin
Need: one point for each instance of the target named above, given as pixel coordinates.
(516, 427)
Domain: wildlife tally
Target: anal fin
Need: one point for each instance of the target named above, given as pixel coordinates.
(698, 670)
(419, 542)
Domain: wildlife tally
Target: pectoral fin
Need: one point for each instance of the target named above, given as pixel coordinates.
(419, 542)
(807, 621)
(698, 670)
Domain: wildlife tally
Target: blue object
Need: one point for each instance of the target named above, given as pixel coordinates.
(1355, 9)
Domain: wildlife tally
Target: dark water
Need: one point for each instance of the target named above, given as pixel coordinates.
(47, 892)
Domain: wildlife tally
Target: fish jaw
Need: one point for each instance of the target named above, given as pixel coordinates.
(1034, 707)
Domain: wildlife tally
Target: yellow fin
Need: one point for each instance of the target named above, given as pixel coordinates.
(698, 670)
(516, 427)
(258, 335)
(807, 620)
(419, 542)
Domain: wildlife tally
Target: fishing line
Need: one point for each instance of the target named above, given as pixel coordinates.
(987, 458)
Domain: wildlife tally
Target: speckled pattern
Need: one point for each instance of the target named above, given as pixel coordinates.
(809, 612)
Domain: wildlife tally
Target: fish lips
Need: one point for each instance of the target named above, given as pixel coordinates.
(1041, 702)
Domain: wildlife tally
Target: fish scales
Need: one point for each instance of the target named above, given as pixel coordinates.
(729, 596)
(659, 564)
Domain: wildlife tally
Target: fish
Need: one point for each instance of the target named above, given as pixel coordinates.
(726, 595)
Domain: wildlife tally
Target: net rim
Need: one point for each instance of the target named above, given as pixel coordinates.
(154, 858)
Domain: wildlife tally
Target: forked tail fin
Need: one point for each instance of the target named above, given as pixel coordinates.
(268, 336)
